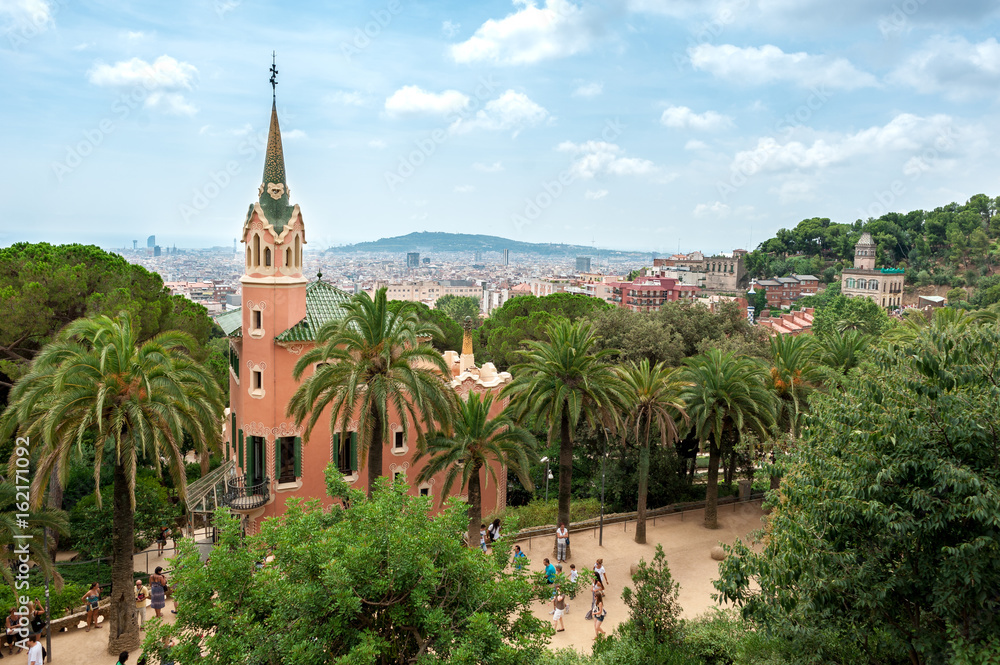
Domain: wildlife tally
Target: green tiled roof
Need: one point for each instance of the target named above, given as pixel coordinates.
(231, 322)
(323, 304)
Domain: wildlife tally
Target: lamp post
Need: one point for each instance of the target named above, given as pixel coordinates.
(604, 464)
(48, 615)
(548, 477)
(751, 297)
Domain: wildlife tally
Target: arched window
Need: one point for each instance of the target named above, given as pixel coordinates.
(248, 256)
(862, 284)
(873, 285)
(256, 250)
(288, 257)
(267, 257)
(850, 282)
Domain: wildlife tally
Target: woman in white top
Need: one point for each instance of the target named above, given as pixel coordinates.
(562, 539)
(599, 569)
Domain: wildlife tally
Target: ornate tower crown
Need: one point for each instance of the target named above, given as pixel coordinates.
(864, 252)
(273, 191)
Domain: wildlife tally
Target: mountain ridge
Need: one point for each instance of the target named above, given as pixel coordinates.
(440, 241)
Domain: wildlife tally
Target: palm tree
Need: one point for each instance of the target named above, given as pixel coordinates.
(724, 396)
(33, 531)
(794, 374)
(476, 439)
(374, 362)
(137, 400)
(653, 400)
(842, 350)
(957, 320)
(563, 381)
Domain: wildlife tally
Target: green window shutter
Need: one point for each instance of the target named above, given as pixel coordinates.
(298, 457)
(335, 450)
(240, 451)
(232, 437)
(354, 451)
(277, 457)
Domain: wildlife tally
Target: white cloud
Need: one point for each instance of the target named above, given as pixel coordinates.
(26, 14)
(135, 35)
(905, 132)
(593, 158)
(595, 195)
(952, 66)
(529, 35)
(769, 64)
(695, 144)
(294, 134)
(495, 167)
(464, 189)
(589, 90)
(164, 73)
(450, 29)
(681, 117)
(717, 209)
(796, 189)
(345, 98)
(510, 111)
(378, 144)
(170, 102)
(413, 99)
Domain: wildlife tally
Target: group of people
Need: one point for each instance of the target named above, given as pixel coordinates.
(488, 534)
(559, 606)
(13, 630)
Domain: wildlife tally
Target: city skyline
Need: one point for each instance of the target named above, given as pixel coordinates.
(703, 126)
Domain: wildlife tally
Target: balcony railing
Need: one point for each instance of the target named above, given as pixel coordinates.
(243, 497)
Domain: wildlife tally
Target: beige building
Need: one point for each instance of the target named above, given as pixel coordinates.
(864, 280)
(722, 272)
(428, 291)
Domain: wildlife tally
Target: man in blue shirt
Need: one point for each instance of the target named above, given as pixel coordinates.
(550, 572)
(519, 558)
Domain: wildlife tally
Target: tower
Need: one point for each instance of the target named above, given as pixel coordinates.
(864, 252)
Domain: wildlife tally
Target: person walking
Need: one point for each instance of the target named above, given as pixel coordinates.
(35, 654)
(573, 576)
(562, 539)
(158, 591)
(595, 589)
(161, 538)
(93, 599)
(599, 614)
(494, 530)
(519, 558)
(599, 569)
(558, 610)
(550, 572)
(482, 537)
(142, 599)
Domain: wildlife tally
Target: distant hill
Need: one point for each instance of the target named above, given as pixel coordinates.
(429, 242)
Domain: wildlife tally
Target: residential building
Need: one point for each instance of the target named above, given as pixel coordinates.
(648, 294)
(723, 272)
(783, 291)
(413, 259)
(267, 458)
(429, 290)
(788, 323)
(583, 264)
(864, 280)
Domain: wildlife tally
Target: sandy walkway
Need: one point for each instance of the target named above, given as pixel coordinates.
(685, 541)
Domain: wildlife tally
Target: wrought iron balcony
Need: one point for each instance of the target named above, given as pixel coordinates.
(243, 497)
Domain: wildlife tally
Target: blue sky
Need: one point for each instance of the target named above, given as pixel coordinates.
(634, 124)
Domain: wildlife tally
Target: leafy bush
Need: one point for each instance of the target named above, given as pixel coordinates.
(543, 513)
(653, 608)
(60, 602)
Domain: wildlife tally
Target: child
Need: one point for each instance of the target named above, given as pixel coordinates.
(573, 574)
(482, 537)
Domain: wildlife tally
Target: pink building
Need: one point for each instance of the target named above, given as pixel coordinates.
(648, 294)
(280, 315)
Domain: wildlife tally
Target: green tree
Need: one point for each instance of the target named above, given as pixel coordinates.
(135, 399)
(375, 582)
(636, 336)
(653, 403)
(459, 307)
(475, 440)
(886, 532)
(794, 374)
(525, 318)
(30, 531)
(447, 333)
(653, 607)
(725, 395)
(562, 382)
(844, 313)
(372, 364)
(842, 350)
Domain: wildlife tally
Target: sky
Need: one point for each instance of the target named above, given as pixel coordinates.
(654, 125)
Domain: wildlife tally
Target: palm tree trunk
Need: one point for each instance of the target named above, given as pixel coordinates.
(55, 502)
(731, 468)
(712, 491)
(475, 507)
(123, 628)
(640, 522)
(375, 452)
(565, 471)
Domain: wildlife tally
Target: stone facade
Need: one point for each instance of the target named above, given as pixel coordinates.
(722, 272)
(884, 286)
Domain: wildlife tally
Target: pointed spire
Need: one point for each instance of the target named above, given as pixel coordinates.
(274, 158)
(273, 193)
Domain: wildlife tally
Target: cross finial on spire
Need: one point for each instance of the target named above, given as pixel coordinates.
(274, 77)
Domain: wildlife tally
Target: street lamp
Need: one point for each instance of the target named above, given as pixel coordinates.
(548, 477)
(604, 463)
